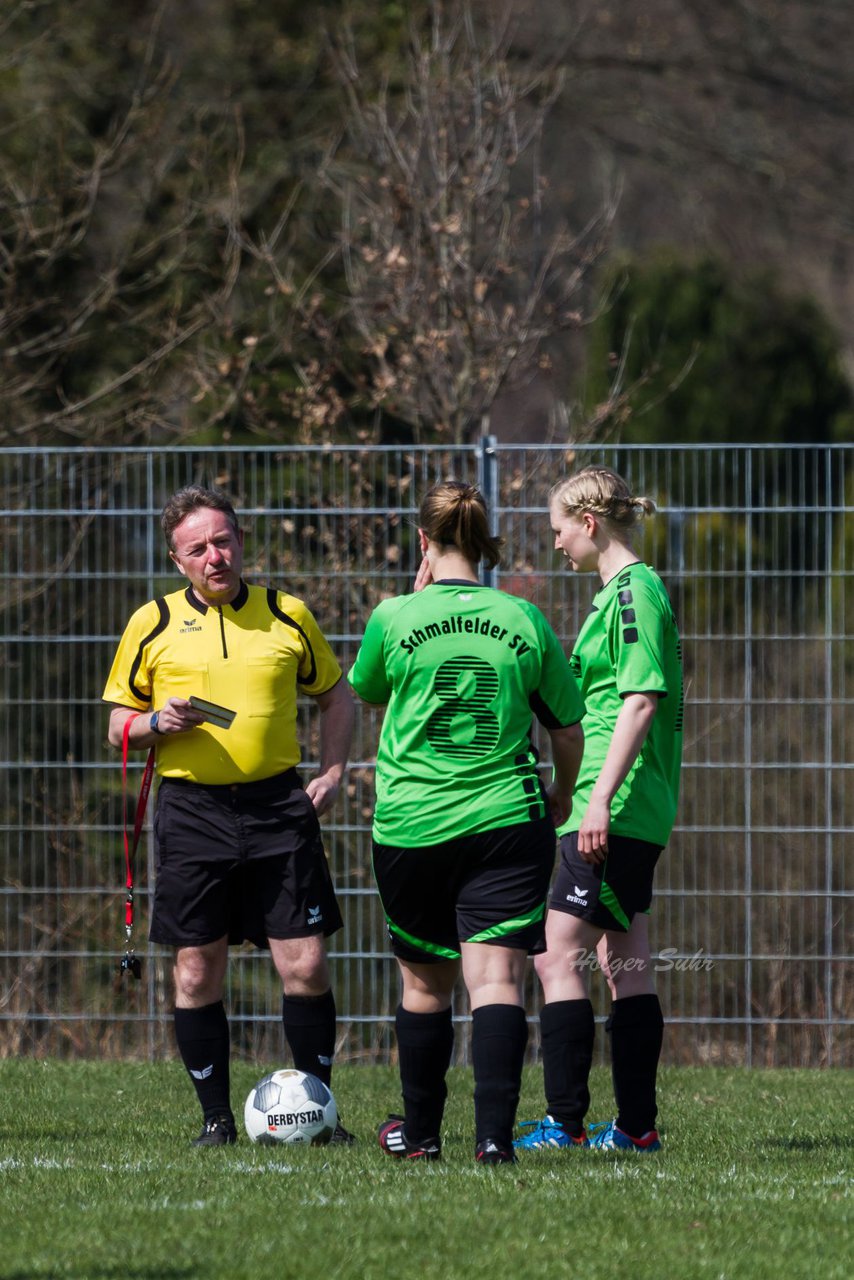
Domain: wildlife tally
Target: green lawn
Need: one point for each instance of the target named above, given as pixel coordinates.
(98, 1181)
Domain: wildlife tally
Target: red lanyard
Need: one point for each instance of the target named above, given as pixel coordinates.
(130, 961)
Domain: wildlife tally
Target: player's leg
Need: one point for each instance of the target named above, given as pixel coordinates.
(415, 886)
(201, 1033)
(567, 1030)
(425, 1042)
(500, 915)
(635, 1027)
(635, 1024)
(626, 961)
(494, 977)
(566, 1019)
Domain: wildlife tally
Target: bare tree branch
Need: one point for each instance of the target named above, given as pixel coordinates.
(450, 287)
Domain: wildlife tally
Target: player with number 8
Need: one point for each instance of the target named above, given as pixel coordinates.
(464, 830)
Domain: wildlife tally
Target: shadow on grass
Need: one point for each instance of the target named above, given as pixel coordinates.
(50, 1138)
(832, 1142)
(117, 1272)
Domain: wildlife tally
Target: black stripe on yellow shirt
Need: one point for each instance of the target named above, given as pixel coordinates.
(163, 609)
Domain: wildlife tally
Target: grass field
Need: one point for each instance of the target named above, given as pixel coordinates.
(98, 1182)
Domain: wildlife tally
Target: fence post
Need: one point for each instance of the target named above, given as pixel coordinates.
(487, 482)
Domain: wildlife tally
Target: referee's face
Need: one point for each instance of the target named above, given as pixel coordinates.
(209, 551)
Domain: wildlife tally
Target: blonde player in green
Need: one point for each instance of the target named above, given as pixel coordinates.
(628, 662)
(464, 831)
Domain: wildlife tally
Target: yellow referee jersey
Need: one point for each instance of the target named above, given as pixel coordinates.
(253, 655)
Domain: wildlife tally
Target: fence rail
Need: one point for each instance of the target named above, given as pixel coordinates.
(752, 923)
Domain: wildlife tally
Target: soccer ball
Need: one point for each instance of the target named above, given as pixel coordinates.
(290, 1106)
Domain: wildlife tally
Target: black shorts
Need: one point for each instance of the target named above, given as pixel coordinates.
(246, 861)
(490, 887)
(609, 894)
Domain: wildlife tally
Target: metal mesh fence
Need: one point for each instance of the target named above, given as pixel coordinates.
(752, 924)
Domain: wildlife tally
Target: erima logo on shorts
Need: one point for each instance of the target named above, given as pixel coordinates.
(579, 897)
(315, 915)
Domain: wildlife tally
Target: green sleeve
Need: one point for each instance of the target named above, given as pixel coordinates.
(637, 640)
(558, 691)
(557, 700)
(368, 675)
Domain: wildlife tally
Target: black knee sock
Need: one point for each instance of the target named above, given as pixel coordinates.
(636, 1028)
(499, 1037)
(568, 1030)
(203, 1042)
(425, 1042)
(309, 1023)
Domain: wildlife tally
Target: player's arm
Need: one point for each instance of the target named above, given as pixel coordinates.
(175, 716)
(567, 750)
(336, 729)
(630, 731)
(368, 676)
(370, 702)
(559, 707)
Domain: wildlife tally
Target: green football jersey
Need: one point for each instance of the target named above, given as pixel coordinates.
(461, 668)
(629, 643)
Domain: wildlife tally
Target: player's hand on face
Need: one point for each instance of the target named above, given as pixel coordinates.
(424, 576)
(593, 832)
(177, 716)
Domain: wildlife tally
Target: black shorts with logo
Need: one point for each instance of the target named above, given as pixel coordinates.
(245, 860)
(610, 893)
(489, 887)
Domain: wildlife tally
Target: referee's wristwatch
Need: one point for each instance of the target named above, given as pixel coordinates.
(153, 725)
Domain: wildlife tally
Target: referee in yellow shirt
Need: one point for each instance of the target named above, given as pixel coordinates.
(239, 852)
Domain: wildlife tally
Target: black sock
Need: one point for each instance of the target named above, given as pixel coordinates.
(636, 1028)
(568, 1029)
(204, 1045)
(499, 1037)
(425, 1042)
(309, 1023)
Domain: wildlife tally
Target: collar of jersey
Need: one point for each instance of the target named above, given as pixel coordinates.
(456, 582)
(237, 603)
(633, 564)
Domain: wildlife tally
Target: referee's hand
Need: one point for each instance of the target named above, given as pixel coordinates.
(178, 716)
(323, 792)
